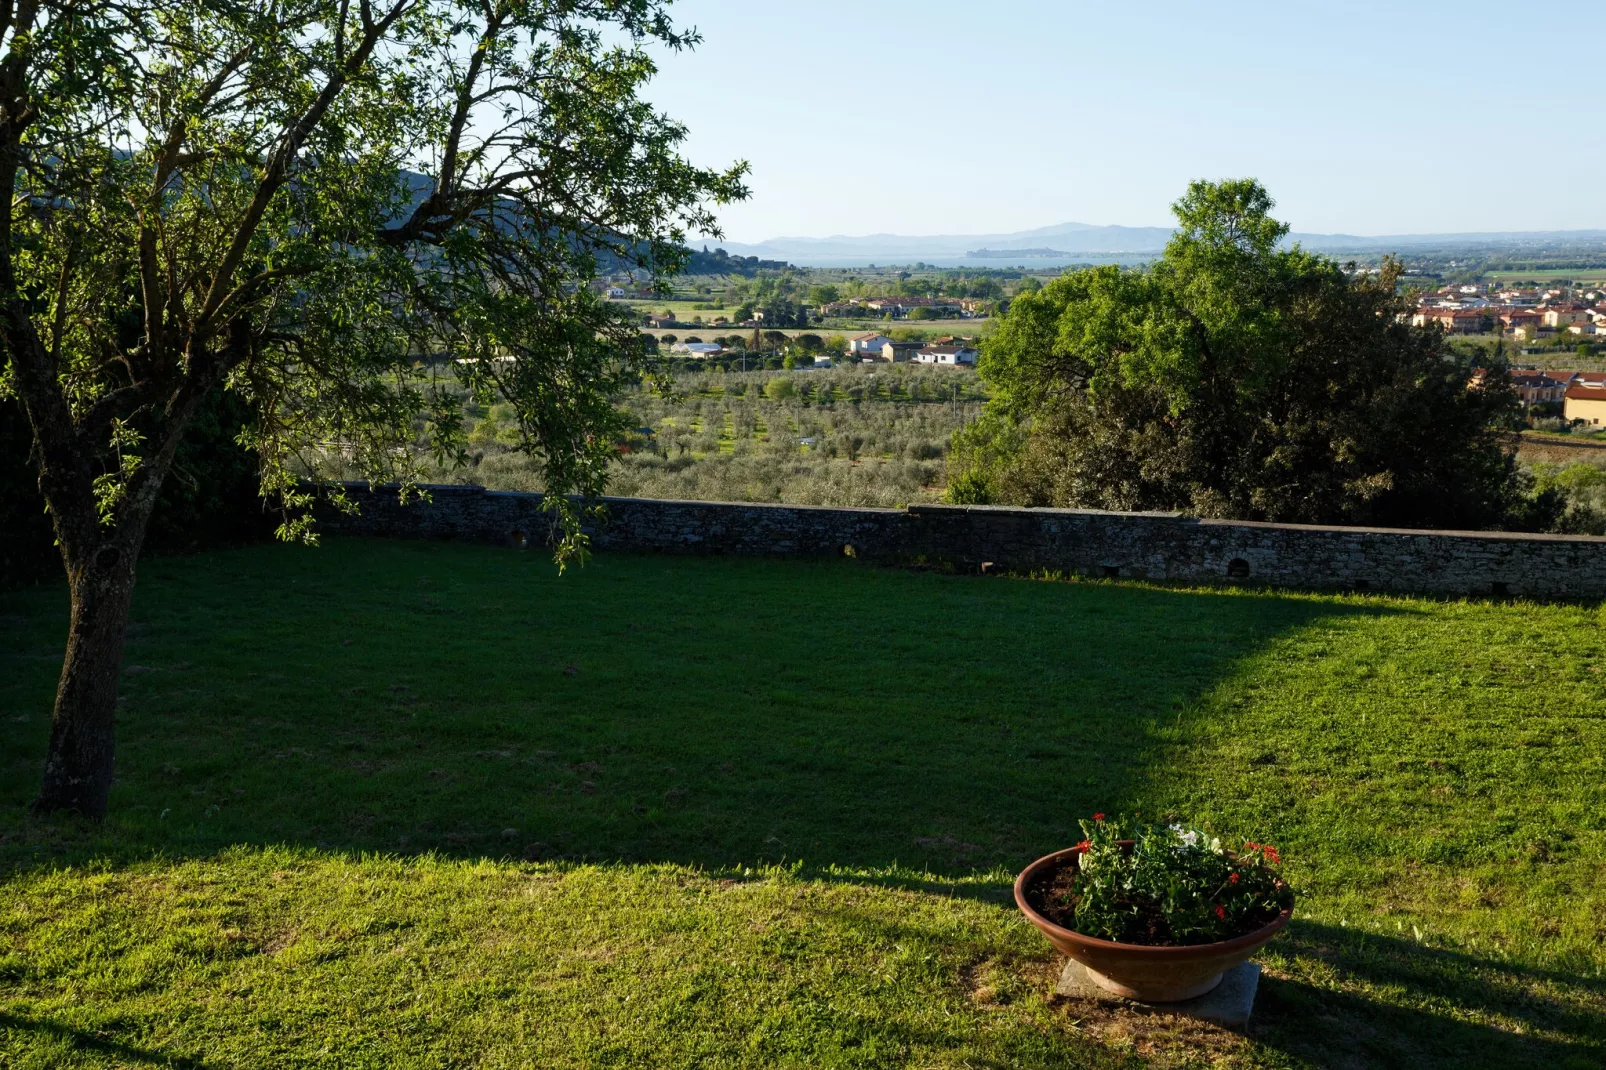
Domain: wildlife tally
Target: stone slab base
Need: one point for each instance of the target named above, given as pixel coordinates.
(1228, 1004)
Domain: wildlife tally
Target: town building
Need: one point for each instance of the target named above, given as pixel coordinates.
(900, 352)
(1517, 317)
(1565, 316)
(1537, 388)
(1453, 320)
(1585, 404)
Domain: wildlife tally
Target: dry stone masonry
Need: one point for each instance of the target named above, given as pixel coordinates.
(1153, 546)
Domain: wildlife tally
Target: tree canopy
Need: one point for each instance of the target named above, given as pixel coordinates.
(344, 213)
(1236, 377)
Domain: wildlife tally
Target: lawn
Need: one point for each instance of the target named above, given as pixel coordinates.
(406, 805)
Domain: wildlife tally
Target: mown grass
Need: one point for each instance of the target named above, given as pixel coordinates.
(389, 804)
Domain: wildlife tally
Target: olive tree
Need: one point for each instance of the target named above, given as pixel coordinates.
(347, 211)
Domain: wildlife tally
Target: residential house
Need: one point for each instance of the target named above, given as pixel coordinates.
(867, 345)
(1586, 404)
(900, 352)
(950, 355)
(902, 306)
(698, 349)
(616, 293)
(1519, 317)
(1594, 380)
(1453, 320)
(1537, 388)
(1565, 315)
(655, 320)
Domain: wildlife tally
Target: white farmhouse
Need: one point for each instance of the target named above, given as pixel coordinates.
(951, 355)
(867, 345)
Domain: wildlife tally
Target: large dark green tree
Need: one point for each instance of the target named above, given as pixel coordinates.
(312, 203)
(1236, 378)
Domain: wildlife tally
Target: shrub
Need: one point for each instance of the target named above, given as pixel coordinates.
(1175, 886)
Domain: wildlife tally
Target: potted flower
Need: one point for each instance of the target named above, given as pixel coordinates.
(1155, 913)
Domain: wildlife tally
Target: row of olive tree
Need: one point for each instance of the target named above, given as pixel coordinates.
(294, 201)
(1238, 377)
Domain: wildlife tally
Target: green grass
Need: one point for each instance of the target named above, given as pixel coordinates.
(395, 805)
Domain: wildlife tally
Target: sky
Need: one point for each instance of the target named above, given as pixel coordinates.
(959, 117)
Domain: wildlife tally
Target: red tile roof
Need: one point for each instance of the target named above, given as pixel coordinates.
(1586, 393)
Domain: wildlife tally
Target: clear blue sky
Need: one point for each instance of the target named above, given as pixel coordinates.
(943, 116)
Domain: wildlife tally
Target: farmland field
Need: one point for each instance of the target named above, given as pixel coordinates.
(407, 805)
(859, 435)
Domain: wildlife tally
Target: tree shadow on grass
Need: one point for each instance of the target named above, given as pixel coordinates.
(408, 697)
(26, 1030)
(925, 732)
(1337, 998)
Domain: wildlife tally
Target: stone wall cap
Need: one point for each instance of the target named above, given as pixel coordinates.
(936, 509)
(923, 508)
(1339, 529)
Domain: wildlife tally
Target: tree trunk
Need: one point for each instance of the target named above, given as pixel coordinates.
(78, 768)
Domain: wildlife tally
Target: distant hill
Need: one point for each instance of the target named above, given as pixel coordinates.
(1068, 240)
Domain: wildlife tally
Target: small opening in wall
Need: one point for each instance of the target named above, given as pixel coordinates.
(1237, 569)
(1499, 589)
(519, 540)
(1112, 572)
(1363, 585)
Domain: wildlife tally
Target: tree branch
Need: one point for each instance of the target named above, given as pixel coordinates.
(279, 163)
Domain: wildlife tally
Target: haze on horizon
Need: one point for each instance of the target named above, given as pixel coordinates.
(921, 117)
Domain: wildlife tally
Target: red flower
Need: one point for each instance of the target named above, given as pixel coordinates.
(1221, 912)
(1271, 854)
(1083, 846)
(1233, 879)
(1098, 817)
(1250, 845)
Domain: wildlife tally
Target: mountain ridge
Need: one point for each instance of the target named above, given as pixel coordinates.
(1076, 239)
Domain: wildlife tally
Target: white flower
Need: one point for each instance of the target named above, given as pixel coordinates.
(1188, 837)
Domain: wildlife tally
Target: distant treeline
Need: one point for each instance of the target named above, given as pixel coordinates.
(719, 262)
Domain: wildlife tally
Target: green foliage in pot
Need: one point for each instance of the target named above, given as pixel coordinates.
(1175, 886)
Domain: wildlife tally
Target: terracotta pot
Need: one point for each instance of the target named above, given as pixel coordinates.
(1146, 974)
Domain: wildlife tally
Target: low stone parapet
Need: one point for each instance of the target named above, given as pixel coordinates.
(1152, 546)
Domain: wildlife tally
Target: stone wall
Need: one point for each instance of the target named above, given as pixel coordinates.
(1156, 546)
